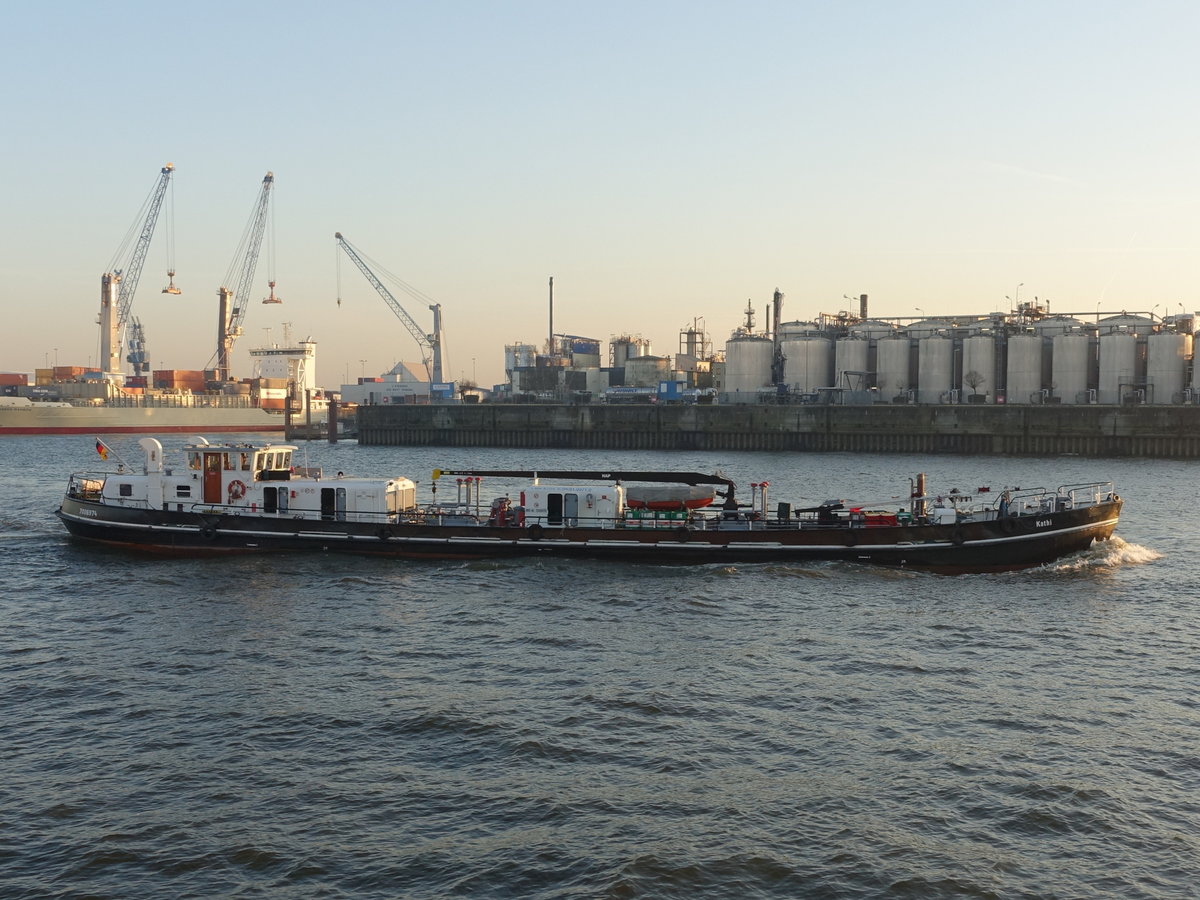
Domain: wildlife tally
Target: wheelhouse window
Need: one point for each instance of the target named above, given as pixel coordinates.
(125, 490)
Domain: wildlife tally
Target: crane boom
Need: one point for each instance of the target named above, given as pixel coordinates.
(245, 261)
(431, 344)
(118, 286)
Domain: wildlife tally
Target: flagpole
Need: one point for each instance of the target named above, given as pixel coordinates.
(120, 459)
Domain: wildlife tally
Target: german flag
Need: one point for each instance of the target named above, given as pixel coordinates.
(101, 449)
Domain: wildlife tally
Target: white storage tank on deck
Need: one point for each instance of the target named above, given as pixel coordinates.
(852, 355)
(935, 369)
(892, 365)
(807, 362)
(1118, 366)
(646, 371)
(1025, 352)
(1071, 367)
(979, 366)
(748, 363)
(1166, 367)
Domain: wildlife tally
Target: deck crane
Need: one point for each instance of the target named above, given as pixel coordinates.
(234, 302)
(432, 344)
(117, 286)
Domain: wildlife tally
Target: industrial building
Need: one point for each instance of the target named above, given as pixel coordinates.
(1024, 357)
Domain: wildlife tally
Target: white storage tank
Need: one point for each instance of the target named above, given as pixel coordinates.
(929, 327)
(1025, 368)
(519, 356)
(1072, 363)
(979, 366)
(807, 362)
(798, 329)
(1166, 367)
(892, 365)
(1052, 326)
(748, 363)
(1118, 366)
(851, 355)
(935, 369)
(872, 329)
(1139, 325)
(646, 371)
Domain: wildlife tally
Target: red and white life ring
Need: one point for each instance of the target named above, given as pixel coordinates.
(237, 490)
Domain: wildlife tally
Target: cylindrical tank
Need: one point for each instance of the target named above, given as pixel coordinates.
(519, 356)
(851, 355)
(625, 347)
(786, 330)
(935, 369)
(1072, 362)
(979, 367)
(1140, 325)
(929, 327)
(1052, 326)
(1166, 366)
(748, 363)
(891, 365)
(1118, 366)
(646, 371)
(807, 362)
(1024, 368)
(872, 329)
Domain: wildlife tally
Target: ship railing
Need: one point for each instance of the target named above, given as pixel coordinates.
(85, 486)
(1088, 494)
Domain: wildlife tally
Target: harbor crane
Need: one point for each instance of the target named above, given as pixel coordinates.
(432, 344)
(117, 286)
(234, 302)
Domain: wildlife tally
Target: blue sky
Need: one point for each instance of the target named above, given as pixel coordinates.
(662, 160)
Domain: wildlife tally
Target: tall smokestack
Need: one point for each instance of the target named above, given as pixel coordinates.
(550, 346)
(778, 308)
(862, 306)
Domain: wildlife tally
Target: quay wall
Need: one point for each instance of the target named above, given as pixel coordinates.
(1112, 431)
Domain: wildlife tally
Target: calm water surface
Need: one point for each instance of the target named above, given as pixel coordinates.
(289, 726)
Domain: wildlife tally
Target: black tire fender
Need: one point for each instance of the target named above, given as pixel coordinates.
(208, 533)
(536, 532)
(683, 534)
(851, 538)
(384, 533)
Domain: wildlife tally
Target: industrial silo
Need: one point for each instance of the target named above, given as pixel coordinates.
(935, 369)
(852, 354)
(872, 329)
(1166, 366)
(1025, 353)
(748, 364)
(979, 368)
(807, 362)
(928, 327)
(1126, 323)
(1071, 367)
(625, 347)
(1053, 326)
(892, 366)
(1118, 366)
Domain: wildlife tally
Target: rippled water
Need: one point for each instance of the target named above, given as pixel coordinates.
(326, 726)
